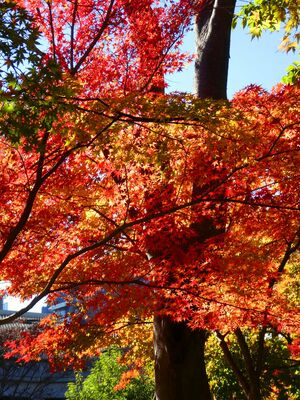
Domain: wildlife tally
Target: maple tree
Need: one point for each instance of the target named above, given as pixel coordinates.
(110, 193)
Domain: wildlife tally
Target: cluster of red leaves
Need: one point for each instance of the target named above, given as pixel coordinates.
(126, 238)
(104, 209)
(115, 46)
(295, 349)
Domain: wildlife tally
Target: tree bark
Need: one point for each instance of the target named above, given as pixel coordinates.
(213, 28)
(180, 372)
(179, 363)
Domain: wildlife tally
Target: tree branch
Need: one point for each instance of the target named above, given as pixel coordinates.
(52, 29)
(75, 8)
(250, 367)
(95, 40)
(232, 364)
(29, 203)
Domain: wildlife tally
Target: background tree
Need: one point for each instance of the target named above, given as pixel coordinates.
(279, 377)
(109, 379)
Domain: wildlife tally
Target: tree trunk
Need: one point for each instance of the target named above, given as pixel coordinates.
(213, 28)
(180, 372)
(254, 393)
(179, 362)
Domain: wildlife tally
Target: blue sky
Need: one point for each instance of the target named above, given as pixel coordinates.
(251, 61)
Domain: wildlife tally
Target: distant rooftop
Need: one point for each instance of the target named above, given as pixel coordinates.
(28, 317)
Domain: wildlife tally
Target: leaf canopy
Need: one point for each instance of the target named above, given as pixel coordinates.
(97, 200)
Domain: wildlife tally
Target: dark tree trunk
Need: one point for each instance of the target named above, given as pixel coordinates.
(180, 372)
(213, 27)
(179, 362)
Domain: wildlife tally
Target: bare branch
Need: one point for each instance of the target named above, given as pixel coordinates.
(75, 8)
(95, 40)
(232, 364)
(52, 29)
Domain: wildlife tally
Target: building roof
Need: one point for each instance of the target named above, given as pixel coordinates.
(27, 318)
